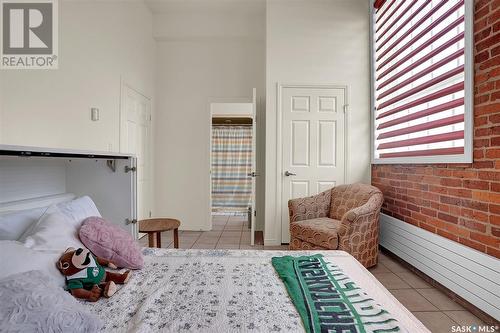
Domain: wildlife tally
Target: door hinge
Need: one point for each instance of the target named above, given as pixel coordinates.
(346, 106)
(129, 169)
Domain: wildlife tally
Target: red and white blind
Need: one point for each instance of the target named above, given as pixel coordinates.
(419, 79)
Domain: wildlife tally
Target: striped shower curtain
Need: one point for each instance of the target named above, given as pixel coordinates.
(231, 164)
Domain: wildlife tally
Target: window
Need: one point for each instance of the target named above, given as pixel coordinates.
(422, 74)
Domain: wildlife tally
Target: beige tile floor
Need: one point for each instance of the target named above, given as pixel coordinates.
(228, 232)
(432, 307)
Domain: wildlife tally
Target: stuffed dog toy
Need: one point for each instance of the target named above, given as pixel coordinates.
(86, 277)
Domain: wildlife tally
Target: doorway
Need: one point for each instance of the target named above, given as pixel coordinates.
(233, 167)
(313, 143)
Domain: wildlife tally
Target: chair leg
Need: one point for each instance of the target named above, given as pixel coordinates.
(158, 240)
(176, 238)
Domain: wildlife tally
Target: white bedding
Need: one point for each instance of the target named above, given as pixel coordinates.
(223, 291)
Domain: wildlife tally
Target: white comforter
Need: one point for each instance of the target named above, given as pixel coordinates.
(223, 291)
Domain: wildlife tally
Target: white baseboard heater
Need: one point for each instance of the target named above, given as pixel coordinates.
(471, 274)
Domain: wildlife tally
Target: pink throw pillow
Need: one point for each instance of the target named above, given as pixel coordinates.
(111, 242)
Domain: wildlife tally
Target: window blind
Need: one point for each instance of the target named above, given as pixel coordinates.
(420, 81)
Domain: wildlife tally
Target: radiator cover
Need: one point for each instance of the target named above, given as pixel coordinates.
(473, 275)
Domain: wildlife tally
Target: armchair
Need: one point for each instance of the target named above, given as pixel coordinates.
(345, 217)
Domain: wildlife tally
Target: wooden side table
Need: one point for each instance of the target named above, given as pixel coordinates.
(154, 228)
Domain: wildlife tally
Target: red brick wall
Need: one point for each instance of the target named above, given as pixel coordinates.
(459, 202)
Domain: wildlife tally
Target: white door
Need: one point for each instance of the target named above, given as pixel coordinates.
(313, 144)
(254, 165)
(135, 138)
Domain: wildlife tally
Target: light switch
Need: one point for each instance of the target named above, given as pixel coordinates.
(94, 114)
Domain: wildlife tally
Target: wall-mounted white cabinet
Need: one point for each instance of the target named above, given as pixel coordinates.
(29, 173)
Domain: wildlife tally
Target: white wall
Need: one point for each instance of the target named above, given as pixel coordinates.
(318, 42)
(99, 42)
(205, 53)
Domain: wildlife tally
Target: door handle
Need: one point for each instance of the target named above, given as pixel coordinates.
(288, 173)
(252, 174)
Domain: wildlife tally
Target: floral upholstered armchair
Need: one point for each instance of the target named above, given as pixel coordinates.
(344, 218)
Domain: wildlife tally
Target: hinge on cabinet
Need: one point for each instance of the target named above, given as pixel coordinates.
(111, 165)
(129, 221)
(128, 169)
(345, 107)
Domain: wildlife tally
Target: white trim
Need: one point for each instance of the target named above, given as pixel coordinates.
(372, 85)
(473, 275)
(422, 159)
(279, 143)
(469, 82)
(467, 156)
(208, 223)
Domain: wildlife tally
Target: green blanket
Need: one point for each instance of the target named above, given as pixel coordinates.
(327, 300)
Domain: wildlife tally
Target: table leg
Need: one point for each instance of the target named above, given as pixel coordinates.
(151, 239)
(158, 240)
(176, 238)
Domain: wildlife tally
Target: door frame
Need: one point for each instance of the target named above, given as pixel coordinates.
(211, 101)
(121, 140)
(279, 139)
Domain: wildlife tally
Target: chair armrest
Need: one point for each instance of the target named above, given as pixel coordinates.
(360, 220)
(310, 207)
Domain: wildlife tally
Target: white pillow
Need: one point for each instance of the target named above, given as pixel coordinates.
(15, 258)
(14, 224)
(79, 209)
(53, 232)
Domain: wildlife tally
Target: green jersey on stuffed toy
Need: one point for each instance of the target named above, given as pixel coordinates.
(86, 278)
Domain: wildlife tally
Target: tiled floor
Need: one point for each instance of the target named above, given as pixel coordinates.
(228, 232)
(432, 307)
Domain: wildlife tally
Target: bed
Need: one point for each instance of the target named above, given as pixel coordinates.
(222, 291)
(180, 290)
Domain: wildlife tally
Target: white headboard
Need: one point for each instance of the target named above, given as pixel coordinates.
(35, 202)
